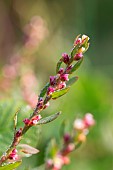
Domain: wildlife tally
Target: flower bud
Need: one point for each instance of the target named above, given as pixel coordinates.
(61, 71)
(81, 137)
(78, 56)
(50, 90)
(26, 121)
(89, 120)
(65, 58)
(64, 77)
(52, 80)
(78, 124)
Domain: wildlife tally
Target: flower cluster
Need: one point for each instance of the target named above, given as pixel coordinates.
(71, 141)
(32, 121)
(13, 155)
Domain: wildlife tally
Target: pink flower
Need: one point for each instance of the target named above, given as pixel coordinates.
(50, 90)
(52, 80)
(64, 77)
(13, 155)
(78, 56)
(65, 58)
(62, 85)
(89, 120)
(26, 121)
(78, 41)
(35, 119)
(61, 71)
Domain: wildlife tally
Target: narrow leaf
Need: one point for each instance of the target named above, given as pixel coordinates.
(58, 66)
(28, 149)
(51, 149)
(15, 119)
(44, 90)
(62, 128)
(48, 119)
(76, 66)
(72, 81)
(59, 93)
(11, 166)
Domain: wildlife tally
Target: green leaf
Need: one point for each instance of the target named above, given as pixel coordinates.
(74, 51)
(48, 119)
(11, 166)
(71, 81)
(62, 128)
(59, 93)
(44, 90)
(76, 66)
(58, 66)
(51, 149)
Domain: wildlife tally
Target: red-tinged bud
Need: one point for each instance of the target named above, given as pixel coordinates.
(69, 68)
(65, 58)
(40, 104)
(64, 77)
(26, 121)
(50, 90)
(46, 105)
(52, 80)
(13, 155)
(78, 56)
(35, 119)
(19, 133)
(78, 41)
(89, 120)
(61, 71)
(67, 138)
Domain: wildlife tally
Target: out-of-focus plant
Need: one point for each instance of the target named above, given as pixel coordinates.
(57, 156)
(57, 86)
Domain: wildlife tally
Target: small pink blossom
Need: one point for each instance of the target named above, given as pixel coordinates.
(62, 85)
(61, 71)
(13, 155)
(64, 77)
(26, 121)
(78, 41)
(52, 80)
(78, 124)
(50, 90)
(65, 58)
(89, 120)
(35, 119)
(78, 56)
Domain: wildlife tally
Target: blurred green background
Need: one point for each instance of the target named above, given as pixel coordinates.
(33, 36)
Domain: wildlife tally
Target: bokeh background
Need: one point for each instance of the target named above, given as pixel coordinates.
(33, 35)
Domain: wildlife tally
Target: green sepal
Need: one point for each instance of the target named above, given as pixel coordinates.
(71, 81)
(59, 93)
(48, 119)
(76, 66)
(10, 166)
(44, 90)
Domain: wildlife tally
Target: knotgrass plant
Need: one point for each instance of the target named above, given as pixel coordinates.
(58, 85)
